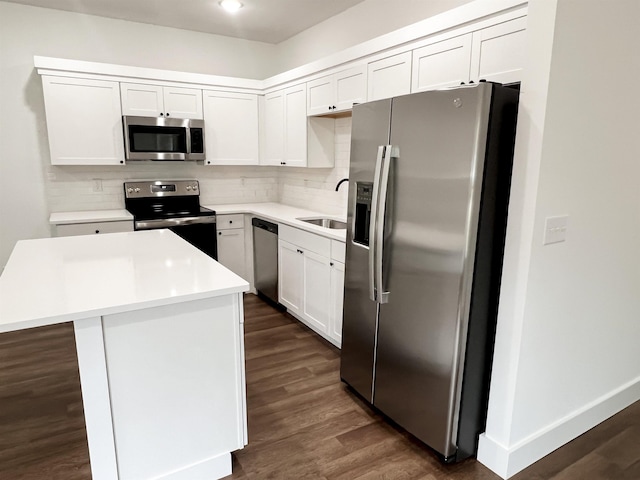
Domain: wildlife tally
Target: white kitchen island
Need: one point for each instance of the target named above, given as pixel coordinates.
(159, 336)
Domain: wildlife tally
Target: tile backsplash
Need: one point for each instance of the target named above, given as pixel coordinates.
(76, 188)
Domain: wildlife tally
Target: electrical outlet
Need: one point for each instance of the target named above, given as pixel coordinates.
(97, 184)
(555, 229)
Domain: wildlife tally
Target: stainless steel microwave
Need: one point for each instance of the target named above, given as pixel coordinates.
(164, 139)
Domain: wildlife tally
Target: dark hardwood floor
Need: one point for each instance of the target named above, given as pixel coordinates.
(303, 423)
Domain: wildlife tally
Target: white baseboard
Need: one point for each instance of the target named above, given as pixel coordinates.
(211, 468)
(506, 461)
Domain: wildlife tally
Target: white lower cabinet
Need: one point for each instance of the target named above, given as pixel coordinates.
(310, 281)
(290, 276)
(231, 245)
(72, 229)
(315, 298)
(336, 301)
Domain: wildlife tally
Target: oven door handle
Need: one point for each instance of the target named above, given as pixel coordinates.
(173, 222)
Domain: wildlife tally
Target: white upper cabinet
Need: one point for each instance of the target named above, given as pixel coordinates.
(295, 121)
(389, 77)
(273, 129)
(498, 52)
(156, 101)
(321, 95)
(84, 121)
(441, 64)
(231, 128)
(285, 127)
(338, 92)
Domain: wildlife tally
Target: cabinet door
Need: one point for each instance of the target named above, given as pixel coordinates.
(442, 64)
(183, 102)
(498, 52)
(317, 282)
(273, 153)
(295, 130)
(389, 77)
(84, 121)
(337, 301)
(231, 128)
(142, 100)
(321, 96)
(290, 276)
(231, 250)
(351, 88)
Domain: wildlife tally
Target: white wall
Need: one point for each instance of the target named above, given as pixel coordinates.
(571, 346)
(362, 22)
(28, 195)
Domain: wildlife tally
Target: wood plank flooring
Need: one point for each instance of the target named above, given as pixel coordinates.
(303, 422)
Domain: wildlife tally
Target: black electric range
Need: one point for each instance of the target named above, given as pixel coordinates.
(173, 204)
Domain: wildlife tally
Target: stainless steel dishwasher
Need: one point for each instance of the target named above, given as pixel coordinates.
(265, 258)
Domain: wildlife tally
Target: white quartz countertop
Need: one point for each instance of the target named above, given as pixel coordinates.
(65, 218)
(55, 280)
(279, 213)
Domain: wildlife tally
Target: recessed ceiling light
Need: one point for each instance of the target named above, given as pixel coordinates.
(231, 5)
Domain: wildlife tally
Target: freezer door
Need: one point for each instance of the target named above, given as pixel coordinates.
(431, 220)
(370, 129)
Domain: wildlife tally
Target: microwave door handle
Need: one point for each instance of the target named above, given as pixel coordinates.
(188, 139)
(373, 228)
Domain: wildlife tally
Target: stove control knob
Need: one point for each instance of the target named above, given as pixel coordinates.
(195, 187)
(137, 190)
(129, 190)
(188, 187)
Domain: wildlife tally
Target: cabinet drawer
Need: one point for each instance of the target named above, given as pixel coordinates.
(93, 228)
(225, 222)
(337, 251)
(306, 240)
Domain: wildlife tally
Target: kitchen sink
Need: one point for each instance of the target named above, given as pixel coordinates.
(325, 222)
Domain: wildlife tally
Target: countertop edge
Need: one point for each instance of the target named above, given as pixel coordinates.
(23, 324)
(89, 216)
(262, 210)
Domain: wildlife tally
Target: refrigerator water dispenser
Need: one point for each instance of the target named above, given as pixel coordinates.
(362, 213)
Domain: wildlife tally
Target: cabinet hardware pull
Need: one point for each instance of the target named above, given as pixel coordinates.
(97, 231)
(161, 114)
(167, 114)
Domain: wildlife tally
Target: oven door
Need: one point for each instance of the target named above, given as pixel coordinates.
(201, 236)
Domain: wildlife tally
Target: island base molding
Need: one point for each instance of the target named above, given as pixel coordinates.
(163, 389)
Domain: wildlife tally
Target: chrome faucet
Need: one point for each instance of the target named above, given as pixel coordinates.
(341, 182)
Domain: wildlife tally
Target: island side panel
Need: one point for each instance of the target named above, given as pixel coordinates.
(95, 398)
(175, 386)
(242, 384)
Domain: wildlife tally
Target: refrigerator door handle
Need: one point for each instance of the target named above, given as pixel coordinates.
(382, 296)
(373, 224)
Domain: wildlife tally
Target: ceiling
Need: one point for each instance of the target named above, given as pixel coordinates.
(271, 21)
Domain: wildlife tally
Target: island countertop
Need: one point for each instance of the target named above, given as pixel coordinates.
(55, 280)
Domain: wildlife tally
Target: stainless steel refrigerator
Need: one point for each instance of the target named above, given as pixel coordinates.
(429, 183)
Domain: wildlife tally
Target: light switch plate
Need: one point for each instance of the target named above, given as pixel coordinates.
(555, 229)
